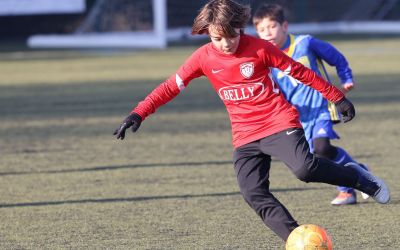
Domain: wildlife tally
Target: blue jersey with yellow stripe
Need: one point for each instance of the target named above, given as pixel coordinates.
(311, 52)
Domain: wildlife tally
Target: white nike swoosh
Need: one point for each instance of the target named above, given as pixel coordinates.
(216, 71)
(291, 132)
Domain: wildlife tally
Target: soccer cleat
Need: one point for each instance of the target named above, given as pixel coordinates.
(382, 195)
(371, 184)
(345, 198)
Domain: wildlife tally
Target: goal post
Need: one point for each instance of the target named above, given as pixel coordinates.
(119, 32)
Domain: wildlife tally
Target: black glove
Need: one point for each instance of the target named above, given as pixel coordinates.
(346, 108)
(133, 120)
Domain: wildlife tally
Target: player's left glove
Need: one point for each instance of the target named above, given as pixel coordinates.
(133, 120)
(346, 108)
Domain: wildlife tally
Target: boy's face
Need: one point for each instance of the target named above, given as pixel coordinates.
(272, 31)
(227, 45)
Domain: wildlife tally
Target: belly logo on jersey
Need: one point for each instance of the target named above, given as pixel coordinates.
(241, 92)
(247, 69)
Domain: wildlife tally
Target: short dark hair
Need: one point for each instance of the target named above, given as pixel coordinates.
(272, 11)
(224, 15)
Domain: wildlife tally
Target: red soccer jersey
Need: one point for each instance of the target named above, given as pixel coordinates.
(256, 106)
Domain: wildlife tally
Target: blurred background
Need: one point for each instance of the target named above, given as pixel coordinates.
(70, 71)
(156, 23)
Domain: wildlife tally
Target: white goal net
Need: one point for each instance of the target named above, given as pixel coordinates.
(116, 23)
(154, 23)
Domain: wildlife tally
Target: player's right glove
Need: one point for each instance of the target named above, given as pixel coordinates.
(346, 108)
(133, 120)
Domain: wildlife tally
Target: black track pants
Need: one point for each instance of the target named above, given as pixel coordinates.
(252, 164)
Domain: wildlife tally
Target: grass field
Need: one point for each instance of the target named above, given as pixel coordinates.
(67, 183)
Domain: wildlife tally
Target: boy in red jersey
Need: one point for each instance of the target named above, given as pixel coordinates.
(263, 123)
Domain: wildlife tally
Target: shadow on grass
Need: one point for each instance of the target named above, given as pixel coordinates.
(128, 166)
(102, 99)
(132, 166)
(142, 198)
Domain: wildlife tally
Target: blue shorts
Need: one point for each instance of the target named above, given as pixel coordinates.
(322, 128)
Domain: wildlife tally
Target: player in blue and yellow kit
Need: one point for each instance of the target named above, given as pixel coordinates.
(317, 115)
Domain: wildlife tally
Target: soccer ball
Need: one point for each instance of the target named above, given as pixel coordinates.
(309, 237)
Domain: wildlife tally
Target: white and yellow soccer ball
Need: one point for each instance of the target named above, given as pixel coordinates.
(309, 237)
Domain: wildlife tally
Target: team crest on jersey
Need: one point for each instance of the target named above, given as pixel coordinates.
(247, 69)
